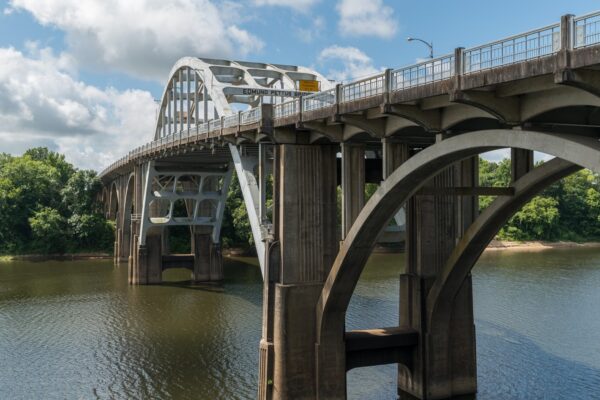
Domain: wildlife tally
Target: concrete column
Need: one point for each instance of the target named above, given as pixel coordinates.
(300, 257)
(444, 362)
(353, 184)
(208, 261)
(148, 268)
(521, 162)
(117, 247)
(394, 155)
(164, 242)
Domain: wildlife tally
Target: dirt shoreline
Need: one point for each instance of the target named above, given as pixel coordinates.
(495, 245)
(57, 257)
(535, 245)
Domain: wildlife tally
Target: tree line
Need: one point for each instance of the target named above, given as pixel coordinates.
(567, 210)
(48, 206)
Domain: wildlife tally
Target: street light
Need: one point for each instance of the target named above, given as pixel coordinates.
(430, 45)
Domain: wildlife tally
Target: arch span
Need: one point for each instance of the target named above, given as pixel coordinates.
(113, 201)
(481, 232)
(199, 90)
(410, 177)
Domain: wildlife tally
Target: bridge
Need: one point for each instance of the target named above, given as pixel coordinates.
(416, 130)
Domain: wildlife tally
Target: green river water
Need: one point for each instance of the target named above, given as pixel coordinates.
(76, 330)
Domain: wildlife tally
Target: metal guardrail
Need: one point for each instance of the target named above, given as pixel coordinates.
(530, 45)
(364, 88)
(319, 100)
(286, 109)
(586, 30)
(426, 72)
(526, 46)
(251, 116)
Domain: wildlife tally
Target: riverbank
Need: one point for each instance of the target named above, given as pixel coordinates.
(495, 245)
(57, 257)
(536, 245)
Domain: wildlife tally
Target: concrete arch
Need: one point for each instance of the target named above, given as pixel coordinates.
(405, 181)
(105, 201)
(113, 201)
(481, 232)
(126, 216)
(458, 113)
(535, 104)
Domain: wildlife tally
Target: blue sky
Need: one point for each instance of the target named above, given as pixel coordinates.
(84, 73)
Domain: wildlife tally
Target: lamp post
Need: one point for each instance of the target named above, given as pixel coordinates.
(430, 45)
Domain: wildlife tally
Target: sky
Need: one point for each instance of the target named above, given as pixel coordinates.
(82, 77)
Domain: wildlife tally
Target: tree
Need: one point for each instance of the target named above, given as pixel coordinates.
(537, 220)
(56, 160)
(47, 206)
(80, 193)
(48, 228)
(90, 232)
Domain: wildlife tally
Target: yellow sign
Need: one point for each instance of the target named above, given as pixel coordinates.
(309, 86)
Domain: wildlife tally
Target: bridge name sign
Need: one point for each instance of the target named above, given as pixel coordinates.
(262, 92)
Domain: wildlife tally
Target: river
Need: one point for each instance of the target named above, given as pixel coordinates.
(76, 330)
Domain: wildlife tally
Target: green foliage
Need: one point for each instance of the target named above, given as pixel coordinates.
(567, 210)
(90, 232)
(80, 191)
(537, 220)
(47, 206)
(236, 230)
(51, 158)
(47, 228)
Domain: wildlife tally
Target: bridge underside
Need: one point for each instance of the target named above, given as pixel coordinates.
(420, 142)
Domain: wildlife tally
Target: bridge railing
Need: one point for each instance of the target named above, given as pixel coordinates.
(319, 100)
(526, 46)
(286, 109)
(586, 30)
(251, 116)
(203, 128)
(231, 121)
(523, 47)
(364, 88)
(430, 71)
(214, 125)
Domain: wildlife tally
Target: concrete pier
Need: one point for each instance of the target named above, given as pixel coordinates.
(307, 243)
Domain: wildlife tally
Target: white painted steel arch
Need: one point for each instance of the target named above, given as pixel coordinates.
(201, 89)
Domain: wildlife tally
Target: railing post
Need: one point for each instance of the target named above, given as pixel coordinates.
(222, 124)
(387, 77)
(339, 88)
(459, 67)
(300, 107)
(566, 46)
(567, 36)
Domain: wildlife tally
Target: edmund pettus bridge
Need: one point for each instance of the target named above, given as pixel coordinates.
(418, 132)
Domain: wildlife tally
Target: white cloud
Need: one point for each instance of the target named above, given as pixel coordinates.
(346, 63)
(41, 104)
(298, 5)
(143, 38)
(366, 18)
